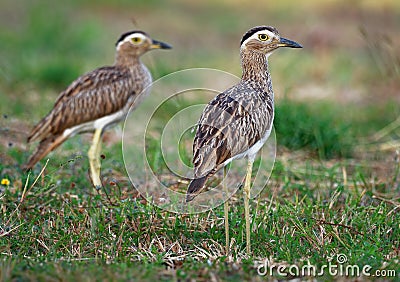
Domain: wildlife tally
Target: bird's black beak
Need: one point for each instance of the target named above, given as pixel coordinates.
(159, 45)
(288, 43)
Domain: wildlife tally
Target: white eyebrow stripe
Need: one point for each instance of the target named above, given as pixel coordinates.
(129, 38)
(255, 35)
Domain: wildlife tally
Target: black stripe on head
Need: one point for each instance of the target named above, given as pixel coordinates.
(257, 29)
(123, 36)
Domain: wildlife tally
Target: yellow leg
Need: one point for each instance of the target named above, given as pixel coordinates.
(94, 159)
(246, 203)
(226, 214)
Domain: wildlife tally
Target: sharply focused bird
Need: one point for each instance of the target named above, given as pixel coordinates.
(237, 122)
(96, 100)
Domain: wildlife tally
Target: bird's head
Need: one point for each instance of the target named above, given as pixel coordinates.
(265, 39)
(137, 43)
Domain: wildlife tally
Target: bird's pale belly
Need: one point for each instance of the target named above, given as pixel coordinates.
(253, 150)
(95, 124)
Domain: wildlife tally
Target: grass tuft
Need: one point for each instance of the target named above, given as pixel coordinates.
(316, 128)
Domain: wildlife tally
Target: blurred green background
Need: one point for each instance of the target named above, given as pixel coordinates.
(343, 84)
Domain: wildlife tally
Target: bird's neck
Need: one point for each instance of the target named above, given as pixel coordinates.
(126, 60)
(255, 70)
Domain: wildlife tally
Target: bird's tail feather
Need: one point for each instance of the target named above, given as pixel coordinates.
(195, 187)
(45, 146)
(41, 129)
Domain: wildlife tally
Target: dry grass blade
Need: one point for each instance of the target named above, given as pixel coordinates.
(2, 234)
(24, 193)
(386, 130)
(392, 202)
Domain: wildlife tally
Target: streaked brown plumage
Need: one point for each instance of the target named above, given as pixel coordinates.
(237, 122)
(99, 98)
(230, 124)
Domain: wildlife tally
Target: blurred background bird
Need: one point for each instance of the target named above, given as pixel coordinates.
(97, 100)
(237, 122)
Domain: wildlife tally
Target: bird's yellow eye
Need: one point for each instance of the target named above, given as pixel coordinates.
(136, 40)
(263, 37)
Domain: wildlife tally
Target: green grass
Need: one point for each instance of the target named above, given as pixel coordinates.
(56, 229)
(327, 131)
(315, 128)
(334, 188)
